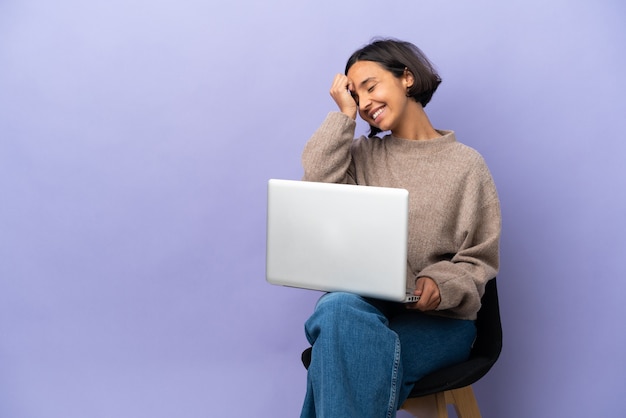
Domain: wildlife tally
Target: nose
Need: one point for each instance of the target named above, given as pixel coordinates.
(364, 102)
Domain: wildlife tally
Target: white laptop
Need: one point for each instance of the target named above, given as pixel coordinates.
(337, 237)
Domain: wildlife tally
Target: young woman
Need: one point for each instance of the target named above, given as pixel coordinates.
(367, 353)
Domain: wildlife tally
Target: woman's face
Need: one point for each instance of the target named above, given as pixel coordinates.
(381, 97)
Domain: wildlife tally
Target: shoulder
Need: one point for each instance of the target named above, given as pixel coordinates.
(471, 165)
(461, 149)
(468, 157)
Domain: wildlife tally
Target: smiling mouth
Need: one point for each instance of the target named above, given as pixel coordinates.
(377, 113)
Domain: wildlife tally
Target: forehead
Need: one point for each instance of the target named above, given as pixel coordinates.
(363, 71)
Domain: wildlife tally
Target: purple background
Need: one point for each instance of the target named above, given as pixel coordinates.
(136, 139)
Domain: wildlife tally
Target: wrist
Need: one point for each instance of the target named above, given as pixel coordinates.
(349, 113)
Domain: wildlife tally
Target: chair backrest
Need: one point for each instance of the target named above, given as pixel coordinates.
(488, 325)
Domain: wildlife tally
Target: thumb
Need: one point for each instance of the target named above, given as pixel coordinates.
(419, 286)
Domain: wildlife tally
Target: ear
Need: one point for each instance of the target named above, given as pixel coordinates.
(407, 78)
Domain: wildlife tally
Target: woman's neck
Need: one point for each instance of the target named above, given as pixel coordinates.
(418, 128)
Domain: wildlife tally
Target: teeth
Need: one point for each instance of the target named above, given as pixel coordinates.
(378, 112)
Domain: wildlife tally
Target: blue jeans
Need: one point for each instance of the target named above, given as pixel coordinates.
(367, 354)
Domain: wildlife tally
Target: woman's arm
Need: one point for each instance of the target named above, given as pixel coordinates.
(326, 156)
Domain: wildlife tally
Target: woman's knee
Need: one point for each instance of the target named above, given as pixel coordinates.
(346, 305)
(345, 319)
(338, 300)
(340, 309)
(333, 306)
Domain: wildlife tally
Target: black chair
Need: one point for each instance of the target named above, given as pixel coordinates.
(452, 385)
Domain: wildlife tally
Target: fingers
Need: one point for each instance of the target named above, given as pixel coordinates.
(340, 93)
(340, 85)
(428, 291)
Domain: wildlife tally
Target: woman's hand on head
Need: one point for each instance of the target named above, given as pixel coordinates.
(340, 92)
(428, 291)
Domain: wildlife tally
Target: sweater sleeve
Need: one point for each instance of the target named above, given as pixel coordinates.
(326, 156)
(462, 277)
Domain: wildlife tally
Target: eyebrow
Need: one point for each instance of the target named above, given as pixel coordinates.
(354, 94)
(361, 85)
(367, 80)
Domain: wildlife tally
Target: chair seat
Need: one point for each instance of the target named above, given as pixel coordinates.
(453, 377)
(448, 378)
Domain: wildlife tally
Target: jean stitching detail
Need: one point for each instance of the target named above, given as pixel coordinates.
(394, 380)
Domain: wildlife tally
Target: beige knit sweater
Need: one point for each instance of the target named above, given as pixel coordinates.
(454, 211)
